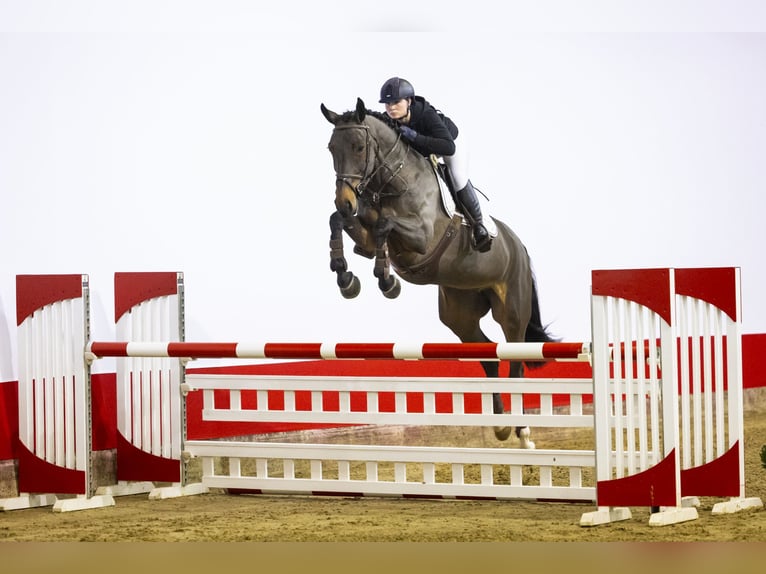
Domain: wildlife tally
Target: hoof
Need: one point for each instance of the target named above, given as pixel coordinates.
(523, 434)
(502, 433)
(352, 289)
(393, 291)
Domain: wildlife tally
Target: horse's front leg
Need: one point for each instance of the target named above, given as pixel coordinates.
(389, 285)
(347, 282)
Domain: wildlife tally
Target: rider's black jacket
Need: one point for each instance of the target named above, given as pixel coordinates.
(436, 132)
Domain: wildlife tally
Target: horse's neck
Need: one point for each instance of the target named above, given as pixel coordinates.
(419, 222)
(423, 195)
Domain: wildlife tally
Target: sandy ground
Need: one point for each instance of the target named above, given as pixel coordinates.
(218, 516)
(217, 531)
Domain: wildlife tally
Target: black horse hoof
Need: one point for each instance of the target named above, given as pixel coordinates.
(393, 291)
(352, 289)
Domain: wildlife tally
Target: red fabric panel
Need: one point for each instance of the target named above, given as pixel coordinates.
(36, 291)
(130, 289)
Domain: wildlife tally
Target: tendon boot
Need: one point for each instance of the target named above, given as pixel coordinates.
(471, 209)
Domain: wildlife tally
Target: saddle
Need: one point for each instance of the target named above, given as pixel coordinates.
(449, 202)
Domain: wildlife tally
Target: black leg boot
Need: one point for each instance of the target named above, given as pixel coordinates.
(471, 209)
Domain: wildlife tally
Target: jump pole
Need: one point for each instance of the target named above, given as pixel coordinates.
(312, 351)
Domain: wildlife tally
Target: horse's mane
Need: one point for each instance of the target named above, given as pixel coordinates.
(383, 117)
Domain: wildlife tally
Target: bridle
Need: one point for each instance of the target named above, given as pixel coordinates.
(372, 168)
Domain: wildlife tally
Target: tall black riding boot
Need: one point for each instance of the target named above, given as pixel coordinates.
(471, 209)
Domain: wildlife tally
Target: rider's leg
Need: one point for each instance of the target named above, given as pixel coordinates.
(466, 197)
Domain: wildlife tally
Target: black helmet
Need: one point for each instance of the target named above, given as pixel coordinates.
(395, 89)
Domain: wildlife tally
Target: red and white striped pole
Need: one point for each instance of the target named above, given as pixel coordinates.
(464, 351)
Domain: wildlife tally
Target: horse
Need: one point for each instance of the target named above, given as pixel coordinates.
(388, 200)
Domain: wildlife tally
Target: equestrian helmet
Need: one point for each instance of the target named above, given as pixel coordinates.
(396, 89)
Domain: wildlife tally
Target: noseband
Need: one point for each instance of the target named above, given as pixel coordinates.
(370, 171)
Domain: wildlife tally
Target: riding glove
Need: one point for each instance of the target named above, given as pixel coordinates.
(408, 133)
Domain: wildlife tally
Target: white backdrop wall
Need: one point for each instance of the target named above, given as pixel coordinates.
(186, 136)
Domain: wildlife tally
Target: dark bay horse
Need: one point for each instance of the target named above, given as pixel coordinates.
(388, 200)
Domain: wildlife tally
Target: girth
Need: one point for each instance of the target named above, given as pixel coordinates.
(431, 260)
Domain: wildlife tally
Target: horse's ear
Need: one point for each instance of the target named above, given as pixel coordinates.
(361, 111)
(331, 116)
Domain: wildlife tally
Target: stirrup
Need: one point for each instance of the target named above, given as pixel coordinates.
(485, 244)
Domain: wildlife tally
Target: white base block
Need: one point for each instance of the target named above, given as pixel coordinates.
(126, 488)
(605, 515)
(689, 501)
(82, 503)
(673, 515)
(178, 490)
(24, 501)
(736, 505)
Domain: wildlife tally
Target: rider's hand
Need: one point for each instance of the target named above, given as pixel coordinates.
(408, 133)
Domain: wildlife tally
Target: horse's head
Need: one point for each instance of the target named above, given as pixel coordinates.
(354, 146)
(350, 149)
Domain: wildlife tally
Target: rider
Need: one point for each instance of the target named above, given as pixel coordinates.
(431, 132)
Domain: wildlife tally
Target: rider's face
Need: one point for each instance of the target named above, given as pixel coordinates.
(398, 109)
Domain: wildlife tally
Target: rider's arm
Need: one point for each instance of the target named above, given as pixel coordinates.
(433, 136)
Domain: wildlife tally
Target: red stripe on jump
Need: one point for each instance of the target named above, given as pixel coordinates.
(130, 289)
(34, 292)
(654, 486)
(634, 349)
(109, 349)
(647, 287)
(38, 475)
(714, 285)
(562, 350)
(293, 350)
(460, 350)
(364, 350)
(203, 350)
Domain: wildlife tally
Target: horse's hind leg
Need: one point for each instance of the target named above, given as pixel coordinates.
(498, 407)
(501, 433)
(513, 316)
(461, 311)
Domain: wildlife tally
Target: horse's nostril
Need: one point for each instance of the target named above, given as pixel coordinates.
(346, 207)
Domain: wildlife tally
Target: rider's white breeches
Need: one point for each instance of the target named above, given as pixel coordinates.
(458, 164)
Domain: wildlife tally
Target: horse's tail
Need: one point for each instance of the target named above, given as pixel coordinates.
(536, 332)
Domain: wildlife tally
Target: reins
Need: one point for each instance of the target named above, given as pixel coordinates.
(365, 178)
